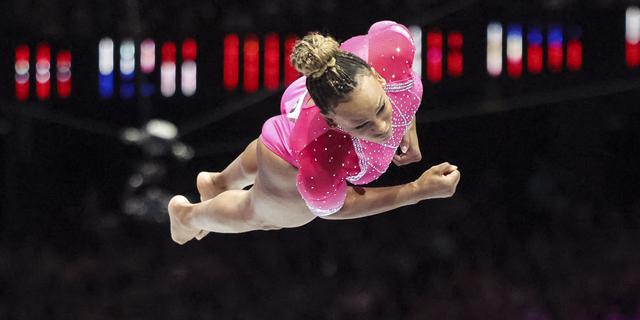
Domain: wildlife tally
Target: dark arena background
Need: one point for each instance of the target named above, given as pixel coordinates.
(108, 108)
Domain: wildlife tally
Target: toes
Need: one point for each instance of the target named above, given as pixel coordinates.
(177, 240)
(209, 185)
(176, 203)
(179, 237)
(203, 180)
(177, 217)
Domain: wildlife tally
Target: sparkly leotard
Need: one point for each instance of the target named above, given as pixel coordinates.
(326, 157)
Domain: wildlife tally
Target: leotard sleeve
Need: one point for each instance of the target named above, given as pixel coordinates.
(324, 166)
(388, 47)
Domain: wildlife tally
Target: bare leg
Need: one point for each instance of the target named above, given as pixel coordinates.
(237, 175)
(272, 203)
(230, 212)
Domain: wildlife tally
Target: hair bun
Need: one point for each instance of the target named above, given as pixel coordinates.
(314, 54)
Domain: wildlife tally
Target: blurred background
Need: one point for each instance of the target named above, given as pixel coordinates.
(107, 108)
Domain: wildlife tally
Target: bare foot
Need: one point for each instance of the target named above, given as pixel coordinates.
(207, 187)
(178, 210)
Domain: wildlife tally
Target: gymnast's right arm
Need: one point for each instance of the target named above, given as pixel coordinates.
(438, 182)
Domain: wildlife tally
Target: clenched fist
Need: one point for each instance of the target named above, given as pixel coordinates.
(439, 181)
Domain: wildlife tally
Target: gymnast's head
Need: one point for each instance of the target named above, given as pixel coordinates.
(349, 92)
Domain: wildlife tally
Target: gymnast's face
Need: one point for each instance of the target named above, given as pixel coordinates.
(367, 114)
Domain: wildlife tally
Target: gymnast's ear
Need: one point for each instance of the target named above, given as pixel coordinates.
(331, 122)
(329, 118)
(380, 79)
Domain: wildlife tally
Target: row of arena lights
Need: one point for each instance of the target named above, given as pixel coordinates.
(559, 55)
(43, 72)
(127, 67)
(534, 53)
(518, 60)
(437, 50)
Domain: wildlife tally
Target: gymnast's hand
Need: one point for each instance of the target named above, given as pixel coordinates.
(409, 151)
(439, 181)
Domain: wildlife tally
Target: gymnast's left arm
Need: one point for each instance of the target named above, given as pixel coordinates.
(409, 147)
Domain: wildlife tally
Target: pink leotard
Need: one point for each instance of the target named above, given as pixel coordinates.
(326, 157)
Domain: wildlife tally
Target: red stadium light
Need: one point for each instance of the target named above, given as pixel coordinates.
(514, 68)
(251, 50)
(231, 60)
(574, 49)
(574, 55)
(63, 73)
(43, 74)
(189, 49)
(555, 58)
(554, 48)
(169, 52)
(534, 50)
(454, 56)
(271, 61)
(632, 37)
(534, 59)
(434, 56)
(22, 72)
(290, 73)
(632, 55)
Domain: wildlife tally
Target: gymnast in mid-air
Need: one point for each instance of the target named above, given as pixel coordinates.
(345, 120)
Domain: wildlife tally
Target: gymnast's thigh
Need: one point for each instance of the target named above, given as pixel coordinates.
(275, 197)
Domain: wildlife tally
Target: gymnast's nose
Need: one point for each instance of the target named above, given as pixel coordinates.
(380, 128)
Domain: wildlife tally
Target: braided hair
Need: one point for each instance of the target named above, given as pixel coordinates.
(331, 72)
